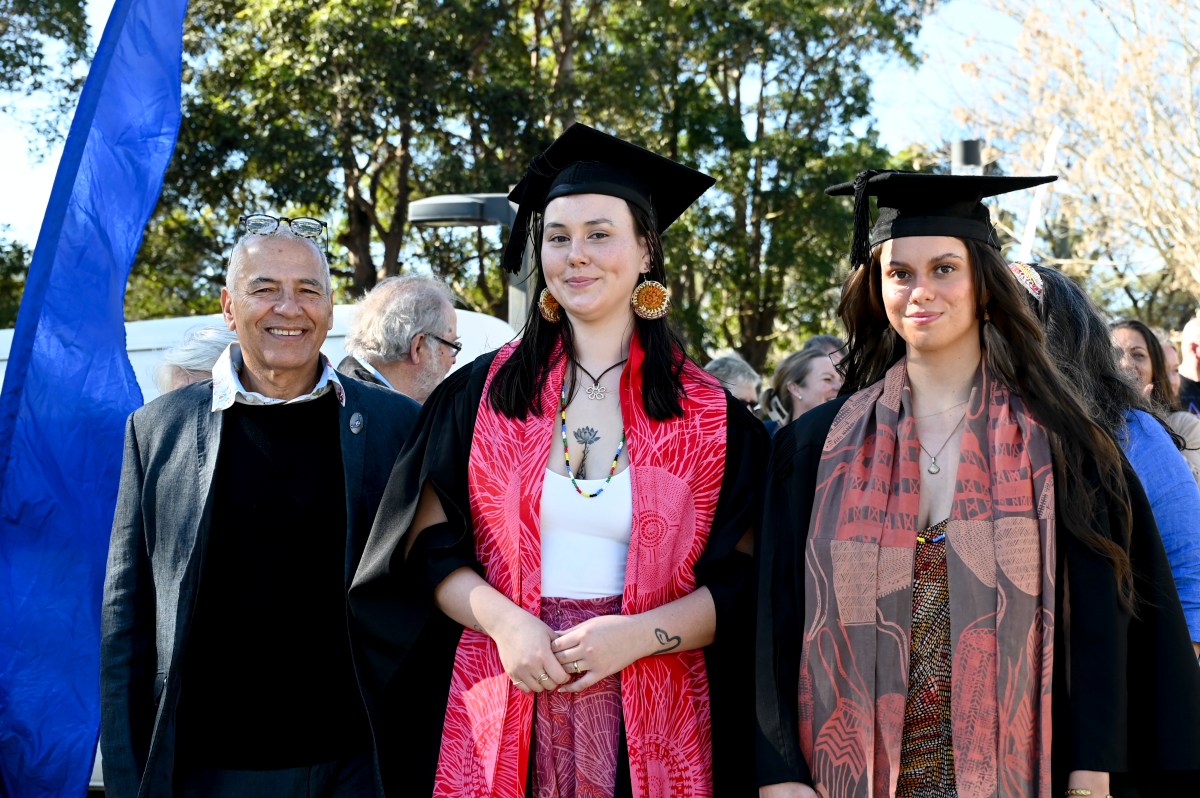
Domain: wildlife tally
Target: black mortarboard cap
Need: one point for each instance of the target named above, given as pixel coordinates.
(920, 204)
(585, 161)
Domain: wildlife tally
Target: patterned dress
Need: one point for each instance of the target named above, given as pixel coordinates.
(926, 749)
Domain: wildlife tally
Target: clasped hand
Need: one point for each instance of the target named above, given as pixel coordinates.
(536, 658)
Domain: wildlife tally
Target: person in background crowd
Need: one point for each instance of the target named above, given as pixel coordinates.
(802, 381)
(192, 359)
(225, 661)
(578, 510)
(1171, 362)
(1081, 345)
(738, 377)
(1142, 357)
(404, 336)
(961, 587)
(1189, 367)
(829, 344)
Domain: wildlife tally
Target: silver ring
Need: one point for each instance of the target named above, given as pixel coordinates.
(543, 677)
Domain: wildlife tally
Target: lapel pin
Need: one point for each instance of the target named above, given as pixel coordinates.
(356, 423)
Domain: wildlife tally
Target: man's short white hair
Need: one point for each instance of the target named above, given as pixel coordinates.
(732, 369)
(393, 313)
(237, 258)
(1191, 332)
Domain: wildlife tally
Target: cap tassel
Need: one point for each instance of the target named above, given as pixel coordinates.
(514, 250)
(860, 249)
(536, 184)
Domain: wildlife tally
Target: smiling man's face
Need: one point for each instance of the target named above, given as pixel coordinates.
(281, 310)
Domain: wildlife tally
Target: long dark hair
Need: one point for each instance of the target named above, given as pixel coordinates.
(1013, 349)
(516, 389)
(1161, 395)
(1080, 342)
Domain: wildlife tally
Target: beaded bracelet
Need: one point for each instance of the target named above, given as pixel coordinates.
(1082, 791)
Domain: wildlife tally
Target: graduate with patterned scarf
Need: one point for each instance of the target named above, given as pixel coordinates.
(556, 599)
(962, 591)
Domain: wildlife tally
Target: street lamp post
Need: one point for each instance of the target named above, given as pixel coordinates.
(966, 157)
(477, 210)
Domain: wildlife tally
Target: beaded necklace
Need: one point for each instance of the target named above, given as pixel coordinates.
(562, 405)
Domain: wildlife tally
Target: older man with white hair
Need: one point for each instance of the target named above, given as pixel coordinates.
(245, 502)
(404, 336)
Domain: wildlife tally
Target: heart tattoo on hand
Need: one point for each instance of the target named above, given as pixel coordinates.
(669, 642)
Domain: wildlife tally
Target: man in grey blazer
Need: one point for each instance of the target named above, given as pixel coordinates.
(244, 505)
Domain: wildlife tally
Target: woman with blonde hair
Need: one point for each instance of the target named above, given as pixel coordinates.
(802, 381)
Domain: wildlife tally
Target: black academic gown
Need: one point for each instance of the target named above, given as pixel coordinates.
(1126, 690)
(405, 647)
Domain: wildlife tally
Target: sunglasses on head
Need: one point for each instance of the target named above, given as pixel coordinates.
(263, 224)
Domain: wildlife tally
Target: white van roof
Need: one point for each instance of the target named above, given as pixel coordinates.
(147, 340)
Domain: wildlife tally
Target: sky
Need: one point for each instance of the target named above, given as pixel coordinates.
(910, 105)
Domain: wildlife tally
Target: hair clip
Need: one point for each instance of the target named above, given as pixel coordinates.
(1027, 276)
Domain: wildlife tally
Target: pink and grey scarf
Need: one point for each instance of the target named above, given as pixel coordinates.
(858, 595)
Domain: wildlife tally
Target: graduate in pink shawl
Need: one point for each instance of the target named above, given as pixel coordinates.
(556, 599)
(962, 591)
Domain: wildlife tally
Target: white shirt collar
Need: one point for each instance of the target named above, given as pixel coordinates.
(228, 388)
(375, 372)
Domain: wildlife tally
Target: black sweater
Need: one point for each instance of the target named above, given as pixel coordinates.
(268, 680)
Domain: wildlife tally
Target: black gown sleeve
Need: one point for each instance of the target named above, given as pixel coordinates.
(403, 646)
(787, 508)
(1127, 687)
(728, 573)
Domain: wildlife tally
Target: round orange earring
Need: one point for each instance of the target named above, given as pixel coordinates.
(651, 300)
(548, 306)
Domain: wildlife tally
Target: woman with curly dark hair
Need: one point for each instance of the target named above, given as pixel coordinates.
(1082, 347)
(953, 555)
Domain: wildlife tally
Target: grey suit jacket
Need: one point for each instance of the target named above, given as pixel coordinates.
(164, 511)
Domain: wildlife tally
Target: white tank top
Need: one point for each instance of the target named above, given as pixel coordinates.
(585, 541)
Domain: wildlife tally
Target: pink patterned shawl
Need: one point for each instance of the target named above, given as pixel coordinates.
(858, 596)
(677, 467)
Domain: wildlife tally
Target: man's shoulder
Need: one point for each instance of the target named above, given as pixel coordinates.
(175, 404)
(1189, 395)
(351, 367)
(368, 396)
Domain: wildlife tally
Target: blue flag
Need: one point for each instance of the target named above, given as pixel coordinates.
(67, 390)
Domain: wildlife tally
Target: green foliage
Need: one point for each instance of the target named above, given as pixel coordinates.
(350, 109)
(40, 40)
(180, 279)
(14, 266)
